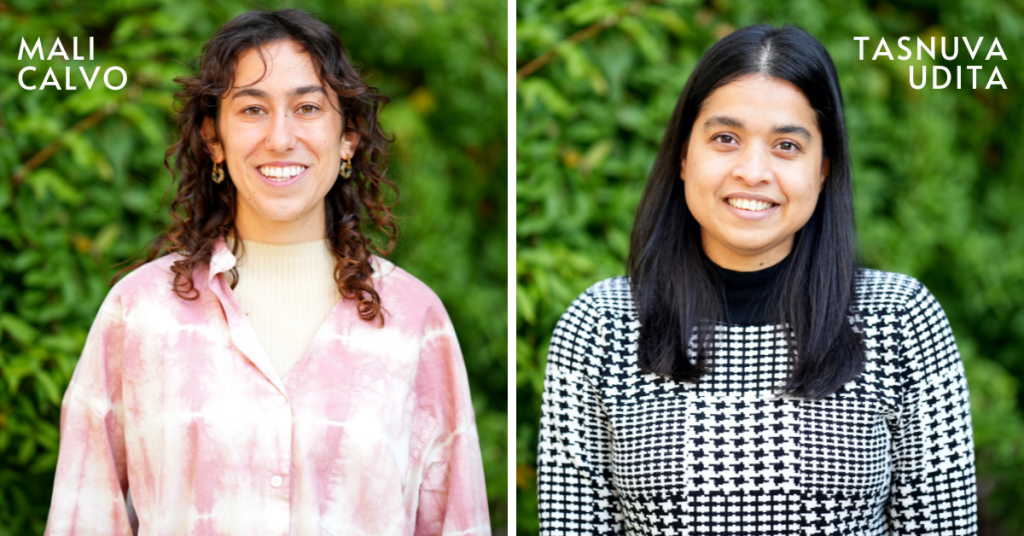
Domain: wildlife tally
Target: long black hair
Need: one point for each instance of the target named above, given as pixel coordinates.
(677, 292)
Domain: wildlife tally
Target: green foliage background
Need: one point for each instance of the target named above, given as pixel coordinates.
(939, 178)
(97, 200)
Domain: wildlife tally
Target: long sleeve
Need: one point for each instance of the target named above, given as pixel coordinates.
(933, 488)
(453, 496)
(371, 432)
(91, 480)
(575, 484)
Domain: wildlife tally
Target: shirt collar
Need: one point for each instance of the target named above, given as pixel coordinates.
(222, 260)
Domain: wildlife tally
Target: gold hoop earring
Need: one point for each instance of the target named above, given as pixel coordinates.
(218, 173)
(346, 168)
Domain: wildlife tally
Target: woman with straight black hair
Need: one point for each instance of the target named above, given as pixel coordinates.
(748, 377)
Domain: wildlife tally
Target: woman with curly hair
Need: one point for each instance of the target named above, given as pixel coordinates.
(268, 374)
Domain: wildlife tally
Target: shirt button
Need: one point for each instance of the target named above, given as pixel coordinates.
(281, 400)
(276, 481)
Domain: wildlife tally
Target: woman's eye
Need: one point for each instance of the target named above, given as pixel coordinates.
(724, 138)
(788, 146)
(252, 110)
(308, 108)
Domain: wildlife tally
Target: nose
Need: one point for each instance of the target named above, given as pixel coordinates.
(281, 136)
(754, 165)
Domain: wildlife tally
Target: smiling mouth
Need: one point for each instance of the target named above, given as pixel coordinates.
(749, 204)
(281, 174)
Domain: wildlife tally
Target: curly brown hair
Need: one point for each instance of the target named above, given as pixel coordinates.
(204, 211)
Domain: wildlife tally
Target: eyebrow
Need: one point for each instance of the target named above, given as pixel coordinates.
(295, 92)
(726, 121)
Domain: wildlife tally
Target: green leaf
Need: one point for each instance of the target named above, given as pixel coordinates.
(26, 450)
(26, 259)
(46, 180)
(525, 306)
(44, 463)
(588, 11)
(18, 329)
(106, 237)
(15, 370)
(53, 393)
(61, 343)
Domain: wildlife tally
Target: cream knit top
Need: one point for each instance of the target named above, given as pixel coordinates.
(287, 292)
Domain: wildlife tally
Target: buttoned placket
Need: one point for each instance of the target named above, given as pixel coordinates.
(277, 510)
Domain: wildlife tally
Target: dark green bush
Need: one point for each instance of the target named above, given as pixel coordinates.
(938, 178)
(96, 200)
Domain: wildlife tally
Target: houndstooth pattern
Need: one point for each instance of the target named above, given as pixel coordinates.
(626, 452)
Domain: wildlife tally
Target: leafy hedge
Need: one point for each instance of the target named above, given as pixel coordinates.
(937, 172)
(101, 192)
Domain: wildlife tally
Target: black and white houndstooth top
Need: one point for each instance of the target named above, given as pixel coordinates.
(627, 452)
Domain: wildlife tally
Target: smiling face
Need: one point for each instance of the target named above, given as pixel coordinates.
(753, 169)
(282, 141)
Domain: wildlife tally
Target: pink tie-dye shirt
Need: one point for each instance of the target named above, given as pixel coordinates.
(175, 401)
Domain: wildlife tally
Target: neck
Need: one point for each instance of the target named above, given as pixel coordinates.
(749, 294)
(308, 227)
(743, 260)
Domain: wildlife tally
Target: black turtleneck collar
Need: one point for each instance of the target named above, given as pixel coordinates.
(748, 295)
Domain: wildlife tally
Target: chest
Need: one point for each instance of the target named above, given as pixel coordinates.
(728, 446)
(197, 387)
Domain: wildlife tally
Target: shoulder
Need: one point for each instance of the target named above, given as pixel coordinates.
(403, 295)
(606, 304)
(879, 288)
(876, 289)
(144, 299)
(153, 281)
(399, 285)
(916, 318)
(612, 295)
(901, 297)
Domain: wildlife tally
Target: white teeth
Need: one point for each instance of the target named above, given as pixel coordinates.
(749, 204)
(283, 173)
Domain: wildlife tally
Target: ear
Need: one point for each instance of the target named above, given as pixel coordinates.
(349, 142)
(682, 165)
(826, 166)
(209, 133)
